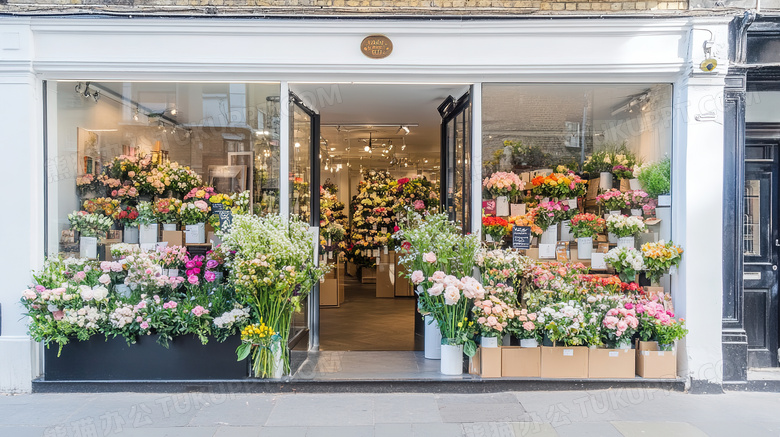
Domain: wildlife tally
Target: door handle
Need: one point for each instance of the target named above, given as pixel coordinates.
(774, 267)
(777, 242)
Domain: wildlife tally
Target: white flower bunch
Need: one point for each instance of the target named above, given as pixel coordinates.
(625, 257)
(625, 226)
(250, 236)
(121, 250)
(122, 316)
(97, 293)
(234, 317)
(86, 317)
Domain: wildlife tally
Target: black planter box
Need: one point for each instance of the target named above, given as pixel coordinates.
(185, 359)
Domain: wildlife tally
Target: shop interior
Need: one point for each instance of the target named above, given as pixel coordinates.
(371, 138)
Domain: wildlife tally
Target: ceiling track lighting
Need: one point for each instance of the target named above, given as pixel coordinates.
(84, 91)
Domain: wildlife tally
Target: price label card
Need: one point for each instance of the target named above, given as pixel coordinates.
(614, 354)
(546, 251)
(376, 253)
(568, 352)
(385, 247)
(597, 261)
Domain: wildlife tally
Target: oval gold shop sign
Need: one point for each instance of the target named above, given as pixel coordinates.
(376, 46)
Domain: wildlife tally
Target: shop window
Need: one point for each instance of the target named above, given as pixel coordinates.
(603, 134)
(219, 134)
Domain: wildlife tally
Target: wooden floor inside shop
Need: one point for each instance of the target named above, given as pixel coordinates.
(367, 323)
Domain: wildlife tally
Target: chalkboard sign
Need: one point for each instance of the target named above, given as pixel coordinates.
(521, 237)
(225, 219)
(217, 207)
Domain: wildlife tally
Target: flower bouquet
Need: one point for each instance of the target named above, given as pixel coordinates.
(256, 339)
(656, 323)
(502, 185)
(529, 220)
(612, 200)
(624, 228)
(101, 205)
(182, 179)
(89, 224)
(563, 322)
(200, 193)
(502, 266)
(495, 228)
(127, 216)
(584, 227)
(274, 271)
(525, 327)
(492, 316)
(88, 184)
(618, 326)
(547, 216)
(559, 186)
(637, 200)
(193, 216)
(167, 211)
(125, 193)
(172, 258)
(626, 261)
(659, 258)
(622, 172)
(151, 182)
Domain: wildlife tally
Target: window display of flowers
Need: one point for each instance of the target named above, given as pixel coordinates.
(563, 323)
(612, 200)
(637, 199)
(559, 186)
(503, 184)
(124, 167)
(418, 193)
(192, 213)
(656, 178)
(619, 325)
(182, 179)
(659, 257)
(624, 226)
(200, 193)
(167, 210)
(89, 225)
(626, 261)
(586, 225)
(495, 227)
(608, 158)
(224, 199)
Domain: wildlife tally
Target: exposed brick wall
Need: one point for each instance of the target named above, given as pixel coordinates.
(346, 7)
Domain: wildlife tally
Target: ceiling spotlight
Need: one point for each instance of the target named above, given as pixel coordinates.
(135, 115)
(426, 161)
(297, 145)
(174, 111)
(367, 148)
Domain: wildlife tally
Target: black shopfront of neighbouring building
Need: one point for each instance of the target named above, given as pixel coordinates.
(751, 248)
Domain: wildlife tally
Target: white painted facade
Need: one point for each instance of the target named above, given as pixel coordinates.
(618, 50)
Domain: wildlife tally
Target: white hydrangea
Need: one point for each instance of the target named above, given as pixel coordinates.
(122, 316)
(85, 317)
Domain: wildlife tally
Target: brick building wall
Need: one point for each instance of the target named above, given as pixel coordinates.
(359, 7)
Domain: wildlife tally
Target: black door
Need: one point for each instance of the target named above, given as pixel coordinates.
(761, 243)
(456, 159)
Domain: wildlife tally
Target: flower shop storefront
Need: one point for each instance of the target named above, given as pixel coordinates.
(159, 189)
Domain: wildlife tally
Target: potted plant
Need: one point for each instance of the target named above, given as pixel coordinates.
(656, 180)
(584, 227)
(89, 226)
(624, 228)
(193, 216)
(525, 327)
(660, 257)
(501, 185)
(636, 200)
(547, 216)
(656, 323)
(618, 326)
(626, 261)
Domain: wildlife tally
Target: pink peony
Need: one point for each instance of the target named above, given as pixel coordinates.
(192, 279)
(417, 277)
(438, 275)
(58, 315)
(419, 204)
(429, 257)
(451, 295)
(210, 276)
(210, 264)
(144, 325)
(436, 290)
(529, 326)
(29, 294)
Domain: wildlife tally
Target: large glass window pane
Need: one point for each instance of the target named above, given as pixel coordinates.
(124, 142)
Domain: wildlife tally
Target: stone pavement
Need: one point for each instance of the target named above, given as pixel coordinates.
(602, 413)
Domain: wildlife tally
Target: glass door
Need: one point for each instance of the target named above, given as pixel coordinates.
(304, 187)
(456, 159)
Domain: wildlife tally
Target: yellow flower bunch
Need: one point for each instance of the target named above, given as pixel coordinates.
(218, 198)
(256, 333)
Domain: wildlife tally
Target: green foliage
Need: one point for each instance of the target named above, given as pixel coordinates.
(656, 179)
